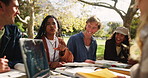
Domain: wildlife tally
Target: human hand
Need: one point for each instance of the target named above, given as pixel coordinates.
(60, 47)
(56, 64)
(90, 61)
(132, 62)
(4, 65)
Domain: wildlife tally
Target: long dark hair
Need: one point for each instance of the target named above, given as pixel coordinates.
(42, 29)
(126, 41)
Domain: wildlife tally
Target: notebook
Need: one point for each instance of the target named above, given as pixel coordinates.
(34, 57)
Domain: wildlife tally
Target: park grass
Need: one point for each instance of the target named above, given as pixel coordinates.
(100, 51)
(100, 47)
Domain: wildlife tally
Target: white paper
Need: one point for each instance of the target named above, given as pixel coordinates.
(20, 67)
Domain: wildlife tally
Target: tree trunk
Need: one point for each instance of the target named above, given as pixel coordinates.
(129, 16)
(31, 22)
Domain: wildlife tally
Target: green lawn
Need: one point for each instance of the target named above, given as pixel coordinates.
(100, 48)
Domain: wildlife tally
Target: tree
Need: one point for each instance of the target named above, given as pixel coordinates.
(112, 27)
(71, 24)
(100, 32)
(29, 16)
(134, 26)
(30, 12)
(126, 16)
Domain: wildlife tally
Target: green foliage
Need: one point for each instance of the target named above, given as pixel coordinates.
(107, 35)
(71, 24)
(134, 26)
(107, 32)
(24, 7)
(112, 26)
(25, 11)
(20, 26)
(99, 33)
(31, 14)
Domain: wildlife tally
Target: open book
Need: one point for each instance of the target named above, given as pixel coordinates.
(103, 73)
(109, 63)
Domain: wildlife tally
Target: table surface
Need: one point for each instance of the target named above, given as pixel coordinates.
(58, 74)
(67, 72)
(13, 73)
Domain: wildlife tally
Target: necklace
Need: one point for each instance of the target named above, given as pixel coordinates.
(52, 44)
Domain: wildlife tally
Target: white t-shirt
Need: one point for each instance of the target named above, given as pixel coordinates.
(53, 53)
(87, 47)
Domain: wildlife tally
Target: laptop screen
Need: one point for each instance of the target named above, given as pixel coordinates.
(34, 57)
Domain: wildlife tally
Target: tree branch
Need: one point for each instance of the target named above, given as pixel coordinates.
(25, 20)
(106, 5)
(115, 2)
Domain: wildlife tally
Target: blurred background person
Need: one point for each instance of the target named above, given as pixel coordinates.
(140, 70)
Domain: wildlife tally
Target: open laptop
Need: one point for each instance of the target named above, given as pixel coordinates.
(34, 57)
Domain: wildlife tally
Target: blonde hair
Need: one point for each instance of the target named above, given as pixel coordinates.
(144, 21)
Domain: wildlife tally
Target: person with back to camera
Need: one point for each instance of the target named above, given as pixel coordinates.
(117, 47)
(56, 49)
(10, 53)
(140, 70)
(83, 45)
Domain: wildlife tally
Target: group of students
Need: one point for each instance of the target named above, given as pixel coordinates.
(81, 47)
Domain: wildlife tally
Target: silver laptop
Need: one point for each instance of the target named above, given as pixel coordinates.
(34, 58)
